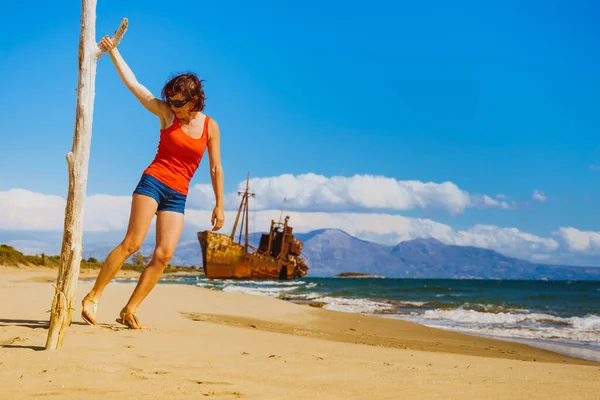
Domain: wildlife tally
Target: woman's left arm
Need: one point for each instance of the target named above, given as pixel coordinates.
(216, 174)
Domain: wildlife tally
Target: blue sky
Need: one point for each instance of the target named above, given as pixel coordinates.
(499, 99)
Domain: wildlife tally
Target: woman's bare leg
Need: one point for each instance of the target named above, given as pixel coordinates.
(169, 225)
(143, 209)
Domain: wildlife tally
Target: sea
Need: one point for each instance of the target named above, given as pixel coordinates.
(560, 316)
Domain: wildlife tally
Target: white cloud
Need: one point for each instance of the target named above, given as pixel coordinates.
(360, 192)
(510, 240)
(488, 201)
(580, 241)
(501, 196)
(539, 196)
(104, 213)
(392, 229)
(24, 210)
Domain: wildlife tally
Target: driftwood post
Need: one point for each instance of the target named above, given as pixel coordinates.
(77, 161)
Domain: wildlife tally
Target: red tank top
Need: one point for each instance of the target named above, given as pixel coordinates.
(178, 156)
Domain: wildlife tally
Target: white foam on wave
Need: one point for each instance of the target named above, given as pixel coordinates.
(354, 305)
(472, 316)
(305, 296)
(272, 292)
(121, 280)
(259, 282)
(567, 334)
(590, 323)
(172, 279)
(492, 308)
(256, 287)
(207, 286)
(413, 303)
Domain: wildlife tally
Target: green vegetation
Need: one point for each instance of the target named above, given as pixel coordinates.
(14, 258)
(11, 257)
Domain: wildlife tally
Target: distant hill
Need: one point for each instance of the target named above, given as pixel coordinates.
(332, 251)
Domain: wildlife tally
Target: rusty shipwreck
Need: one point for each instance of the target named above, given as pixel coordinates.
(278, 256)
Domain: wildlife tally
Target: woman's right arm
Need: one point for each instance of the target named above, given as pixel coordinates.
(148, 100)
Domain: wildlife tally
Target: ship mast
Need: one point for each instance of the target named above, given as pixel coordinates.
(243, 209)
(282, 207)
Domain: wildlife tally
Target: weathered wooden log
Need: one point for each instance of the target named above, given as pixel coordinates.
(77, 162)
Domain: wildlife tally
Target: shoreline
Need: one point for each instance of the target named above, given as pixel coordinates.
(200, 342)
(576, 348)
(563, 347)
(124, 278)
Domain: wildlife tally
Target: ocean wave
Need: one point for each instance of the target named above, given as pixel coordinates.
(220, 282)
(566, 334)
(492, 308)
(444, 308)
(273, 292)
(303, 296)
(415, 304)
(487, 308)
(472, 316)
(354, 305)
(205, 285)
(589, 324)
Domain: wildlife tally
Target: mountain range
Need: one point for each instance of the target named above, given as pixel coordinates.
(332, 251)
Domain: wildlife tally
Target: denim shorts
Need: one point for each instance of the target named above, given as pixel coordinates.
(167, 198)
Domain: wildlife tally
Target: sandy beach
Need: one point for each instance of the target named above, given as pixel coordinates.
(205, 343)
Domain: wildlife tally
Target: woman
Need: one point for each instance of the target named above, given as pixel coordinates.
(185, 133)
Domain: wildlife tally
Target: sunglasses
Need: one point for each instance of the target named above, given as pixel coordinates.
(178, 103)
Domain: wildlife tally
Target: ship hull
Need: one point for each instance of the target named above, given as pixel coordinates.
(222, 258)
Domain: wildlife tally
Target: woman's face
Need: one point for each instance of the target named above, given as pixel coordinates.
(180, 105)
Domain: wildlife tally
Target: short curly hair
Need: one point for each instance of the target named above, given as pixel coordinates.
(188, 85)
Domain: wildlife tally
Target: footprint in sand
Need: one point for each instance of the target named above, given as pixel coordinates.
(226, 393)
(12, 340)
(141, 374)
(236, 395)
(138, 375)
(114, 328)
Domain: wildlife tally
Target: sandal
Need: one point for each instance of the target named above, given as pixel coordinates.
(90, 319)
(130, 320)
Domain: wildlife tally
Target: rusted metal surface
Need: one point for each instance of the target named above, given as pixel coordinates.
(278, 255)
(222, 258)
